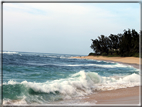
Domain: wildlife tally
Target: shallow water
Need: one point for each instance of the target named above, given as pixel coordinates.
(44, 78)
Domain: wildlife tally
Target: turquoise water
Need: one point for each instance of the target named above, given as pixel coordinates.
(45, 78)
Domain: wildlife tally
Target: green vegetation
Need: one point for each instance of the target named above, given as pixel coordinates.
(126, 44)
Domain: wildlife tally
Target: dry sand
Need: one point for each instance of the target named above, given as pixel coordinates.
(120, 96)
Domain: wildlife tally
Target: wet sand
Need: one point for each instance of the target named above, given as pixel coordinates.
(120, 96)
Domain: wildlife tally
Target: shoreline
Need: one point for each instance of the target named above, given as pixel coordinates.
(133, 61)
(130, 95)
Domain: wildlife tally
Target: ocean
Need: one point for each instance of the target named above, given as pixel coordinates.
(46, 78)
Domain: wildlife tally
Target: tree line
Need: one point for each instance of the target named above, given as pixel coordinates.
(126, 44)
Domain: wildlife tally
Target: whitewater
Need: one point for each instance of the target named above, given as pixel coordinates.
(49, 78)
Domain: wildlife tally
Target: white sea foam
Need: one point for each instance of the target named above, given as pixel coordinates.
(11, 82)
(117, 65)
(111, 83)
(51, 56)
(82, 83)
(64, 57)
(98, 61)
(10, 52)
(98, 65)
(15, 102)
(79, 84)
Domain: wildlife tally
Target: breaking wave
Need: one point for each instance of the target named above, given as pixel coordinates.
(76, 85)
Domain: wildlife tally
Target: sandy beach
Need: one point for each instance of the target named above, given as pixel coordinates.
(131, 95)
(133, 61)
(120, 96)
(130, 60)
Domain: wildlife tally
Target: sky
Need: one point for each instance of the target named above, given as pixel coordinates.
(65, 28)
